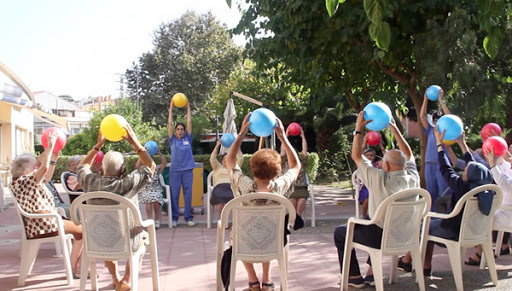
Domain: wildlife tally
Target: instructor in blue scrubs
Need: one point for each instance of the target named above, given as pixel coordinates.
(182, 166)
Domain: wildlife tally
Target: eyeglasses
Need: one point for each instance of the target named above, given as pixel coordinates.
(179, 128)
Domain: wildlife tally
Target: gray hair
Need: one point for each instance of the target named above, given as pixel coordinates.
(112, 163)
(73, 159)
(21, 164)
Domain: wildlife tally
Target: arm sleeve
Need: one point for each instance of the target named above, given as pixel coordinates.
(501, 179)
(453, 180)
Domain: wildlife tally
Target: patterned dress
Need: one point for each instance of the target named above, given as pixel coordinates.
(153, 190)
(34, 197)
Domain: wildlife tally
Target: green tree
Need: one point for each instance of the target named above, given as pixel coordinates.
(431, 42)
(145, 131)
(189, 56)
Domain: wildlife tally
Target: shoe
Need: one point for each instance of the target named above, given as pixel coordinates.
(427, 272)
(267, 286)
(356, 283)
(369, 280)
(472, 262)
(157, 224)
(253, 286)
(191, 223)
(174, 223)
(404, 266)
(122, 286)
(504, 251)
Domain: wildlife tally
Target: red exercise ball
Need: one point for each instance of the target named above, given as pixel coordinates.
(59, 143)
(496, 144)
(373, 138)
(487, 129)
(294, 128)
(99, 158)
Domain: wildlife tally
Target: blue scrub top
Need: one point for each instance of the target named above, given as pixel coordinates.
(431, 151)
(181, 153)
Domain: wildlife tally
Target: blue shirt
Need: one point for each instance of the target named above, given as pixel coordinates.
(431, 151)
(181, 153)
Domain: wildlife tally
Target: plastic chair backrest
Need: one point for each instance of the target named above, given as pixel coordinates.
(106, 228)
(475, 226)
(63, 178)
(402, 213)
(258, 230)
(355, 184)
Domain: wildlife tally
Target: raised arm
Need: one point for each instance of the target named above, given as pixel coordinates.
(47, 159)
(441, 101)
(144, 156)
(170, 127)
(189, 119)
(402, 143)
(213, 157)
(235, 147)
(423, 111)
(89, 158)
(304, 143)
(163, 161)
(357, 143)
(291, 154)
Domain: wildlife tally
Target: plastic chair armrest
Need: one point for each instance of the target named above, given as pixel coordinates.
(441, 215)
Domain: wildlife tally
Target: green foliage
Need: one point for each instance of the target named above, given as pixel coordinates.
(190, 55)
(335, 163)
(81, 143)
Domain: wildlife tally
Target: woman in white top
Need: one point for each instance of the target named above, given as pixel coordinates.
(222, 192)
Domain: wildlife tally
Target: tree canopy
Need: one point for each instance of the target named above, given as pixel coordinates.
(190, 55)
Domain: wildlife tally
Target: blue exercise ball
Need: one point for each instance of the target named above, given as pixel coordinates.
(451, 124)
(227, 140)
(379, 113)
(262, 122)
(152, 147)
(433, 92)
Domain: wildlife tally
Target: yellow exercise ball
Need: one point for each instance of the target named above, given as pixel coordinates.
(449, 142)
(180, 100)
(112, 127)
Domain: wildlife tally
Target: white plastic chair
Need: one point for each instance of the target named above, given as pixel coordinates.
(208, 205)
(168, 197)
(401, 214)
(257, 233)
(30, 246)
(311, 201)
(475, 229)
(355, 184)
(501, 232)
(72, 194)
(106, 233)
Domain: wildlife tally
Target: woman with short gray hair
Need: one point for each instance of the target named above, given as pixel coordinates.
(27, 186)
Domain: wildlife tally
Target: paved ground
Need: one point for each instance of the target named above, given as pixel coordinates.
(187, 258)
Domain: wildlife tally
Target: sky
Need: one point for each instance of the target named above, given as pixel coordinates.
(81, 48)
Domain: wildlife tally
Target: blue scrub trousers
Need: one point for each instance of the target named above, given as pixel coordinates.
(177, 179)
(436, 184)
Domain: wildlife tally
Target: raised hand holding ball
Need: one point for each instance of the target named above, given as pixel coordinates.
(180, 100)
(60, 142)
(262, 122)
(379, 113)
(151, 147)
(451, 124)
(294, 128)
(373, 138)
(490, 129)
(495, 144)
(98, 158)
(433, 92)
(113, 127)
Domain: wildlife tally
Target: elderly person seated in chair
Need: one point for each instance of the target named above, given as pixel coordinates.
(475, 174)
(28, 186)
(113, 180)
(265, 167)
(72, 180)
(398, 173)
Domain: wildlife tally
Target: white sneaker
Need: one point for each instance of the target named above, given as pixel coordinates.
(174, 223)
(157, 224)
(191, 223)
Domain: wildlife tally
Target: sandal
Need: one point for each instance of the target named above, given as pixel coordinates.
(472, 262)
(270, 286)
(252, 286)
(122, 286)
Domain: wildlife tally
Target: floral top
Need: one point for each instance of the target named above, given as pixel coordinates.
(34, 197)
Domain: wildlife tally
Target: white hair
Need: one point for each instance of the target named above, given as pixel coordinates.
(112, 163)
(22, 164)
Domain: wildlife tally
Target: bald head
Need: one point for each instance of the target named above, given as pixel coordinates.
(393, 160)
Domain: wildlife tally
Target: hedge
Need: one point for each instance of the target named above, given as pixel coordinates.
(130, 160)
